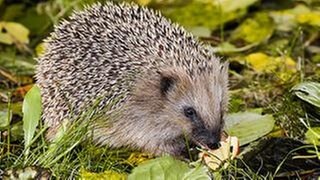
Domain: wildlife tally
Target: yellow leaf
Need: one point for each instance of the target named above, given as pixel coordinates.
(107, 175)
(15, 31)
(5, 38)
(40, 49)
(255, 30)
(143, 2)
(260, 62)
(311, 18)
(287, 69)
(288, 62)
(283, 66)
(138, 158)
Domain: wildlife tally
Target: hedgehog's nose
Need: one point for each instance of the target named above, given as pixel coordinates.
(213, 145)
(213, 142)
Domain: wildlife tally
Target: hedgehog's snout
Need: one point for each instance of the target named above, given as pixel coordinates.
(207, 139)
(213, 143)
(211, 140)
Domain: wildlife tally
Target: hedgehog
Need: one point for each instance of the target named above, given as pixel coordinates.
(165, 86)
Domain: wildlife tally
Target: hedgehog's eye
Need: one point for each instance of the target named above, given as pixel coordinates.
(190, 113)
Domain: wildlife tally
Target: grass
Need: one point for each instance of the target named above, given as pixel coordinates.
(67, 154)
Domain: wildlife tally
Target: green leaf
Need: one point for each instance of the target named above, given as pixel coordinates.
(198, 173)
(15, 32)
(248, 32)
(209, 14)
(202, 13)
(5, 38)
(227, 47)
(309, 92)
(4, 123)
(167, 168)
(31, 114)
(312, 18)
(313, 135)
(249, 126)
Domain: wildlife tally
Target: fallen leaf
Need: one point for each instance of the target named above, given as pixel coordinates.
(227, 47)
(313, 135)
(14, 32)
(168, 168)
(249, 126)
(309, 92)
(138, 158)
(228, 150)
(248, 32)
(4, 119)
(283, 66)
(286, 67)
(203, 13)
(260, 62)
(107, 175)
(22, 91)
(311, 18)
(5, 38)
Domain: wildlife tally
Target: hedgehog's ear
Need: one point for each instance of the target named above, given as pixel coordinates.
(166, 83)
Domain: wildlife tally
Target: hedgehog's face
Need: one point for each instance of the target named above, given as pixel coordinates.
(199, 103)
(185, 107)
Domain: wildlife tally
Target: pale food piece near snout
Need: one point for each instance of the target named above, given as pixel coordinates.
(228, 150)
